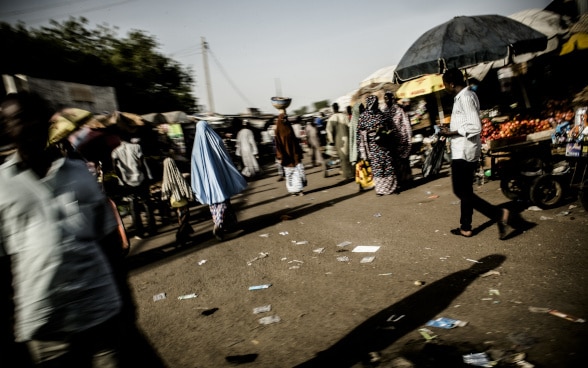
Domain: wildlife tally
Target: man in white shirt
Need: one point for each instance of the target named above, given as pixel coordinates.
(52, 217)
(464, 131)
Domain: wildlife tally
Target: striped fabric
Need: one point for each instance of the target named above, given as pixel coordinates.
(174, 186)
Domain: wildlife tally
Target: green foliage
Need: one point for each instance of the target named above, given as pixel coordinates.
(145, 80)
(301, 111)
(321, 104)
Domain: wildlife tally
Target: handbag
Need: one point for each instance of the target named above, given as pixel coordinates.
(363, 175)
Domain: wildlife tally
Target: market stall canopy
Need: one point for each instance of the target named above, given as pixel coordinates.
(551, 24)
(345, 100)
(68, 120)
(421, 86)
(578, 36)
(155, 118)
(382, 75)
(465, 41)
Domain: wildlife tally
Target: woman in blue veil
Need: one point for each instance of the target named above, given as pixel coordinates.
(214, 177)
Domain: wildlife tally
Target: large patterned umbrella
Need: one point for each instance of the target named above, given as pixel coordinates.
(465, 41)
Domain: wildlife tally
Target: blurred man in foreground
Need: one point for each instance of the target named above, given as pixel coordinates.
(52, 216)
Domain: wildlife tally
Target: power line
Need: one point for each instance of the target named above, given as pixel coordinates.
(229, 79)
(87, 10)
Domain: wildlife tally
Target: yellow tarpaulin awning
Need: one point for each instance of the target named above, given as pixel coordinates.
(578, 41)
(421, 86)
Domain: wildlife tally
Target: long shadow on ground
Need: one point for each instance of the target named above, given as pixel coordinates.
(378, 332)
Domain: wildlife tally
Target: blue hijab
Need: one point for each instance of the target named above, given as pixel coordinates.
(214, 176)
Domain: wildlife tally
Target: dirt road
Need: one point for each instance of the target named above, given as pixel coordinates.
(336, 308)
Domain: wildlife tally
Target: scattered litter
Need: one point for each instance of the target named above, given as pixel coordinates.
(385, 274)
(534, 208)
(478, 360)
(524, 364)
(367, 259)
(187, 296)
(259, 287)
(444, 258)
(393, 318)
(294, 267)
(494, 292)
(269, 320)
(285, 217)
(344, 244)
(159, 296)
(302, 242)
(566, 316)
(208, 312)
(427, 334)
(319, 250)
(366, 249)
(490, 273)
(343, 259)
(419, 283)
(260, 256)
(283, 258)
(572, 206)
(283, 233)
(486, 299)
(471, 260)
(434, 196)
(564, 213)
(341, 250)
(201, 262)
(539, 310)
(377, 214)
(428, 192)
(446, 323)
(543, 218)
(264, 236)
(262, 309)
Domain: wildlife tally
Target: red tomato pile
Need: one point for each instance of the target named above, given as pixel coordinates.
(515, 128)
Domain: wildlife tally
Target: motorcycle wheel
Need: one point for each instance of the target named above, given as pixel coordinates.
(514, 188)
(546, 191)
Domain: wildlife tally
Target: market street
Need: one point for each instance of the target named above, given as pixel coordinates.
(352, 311)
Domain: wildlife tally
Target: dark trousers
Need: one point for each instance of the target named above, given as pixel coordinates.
(462, 179)
(141, 199)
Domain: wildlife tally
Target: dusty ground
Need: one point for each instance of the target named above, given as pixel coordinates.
(349, 309)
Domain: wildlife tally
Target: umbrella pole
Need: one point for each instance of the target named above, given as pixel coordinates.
(440, 108)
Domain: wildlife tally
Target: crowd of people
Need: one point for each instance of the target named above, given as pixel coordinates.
(60, 239)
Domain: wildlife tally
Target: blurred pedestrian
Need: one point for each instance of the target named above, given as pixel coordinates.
(272, 133)
(338, 135)
(464, 132)
(215, 179)
(246, 148)
(401, 122)
(289, 154)
(53, 216)
(176, 191)
(356, 111)
(134, 176)
(380, 158)
(314, 143)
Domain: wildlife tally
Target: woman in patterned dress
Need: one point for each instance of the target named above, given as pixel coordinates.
(380, 158)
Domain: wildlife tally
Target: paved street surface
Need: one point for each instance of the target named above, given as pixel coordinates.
(339, 312)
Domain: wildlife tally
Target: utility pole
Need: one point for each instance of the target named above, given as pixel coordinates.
(207, 74)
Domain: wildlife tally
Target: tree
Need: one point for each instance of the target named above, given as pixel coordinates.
(145, 80)
(321, 104)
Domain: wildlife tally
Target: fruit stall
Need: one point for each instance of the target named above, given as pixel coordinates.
(539, 160)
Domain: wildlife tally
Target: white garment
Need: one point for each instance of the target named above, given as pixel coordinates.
(465, 119)
(62, 281)
(246, 148)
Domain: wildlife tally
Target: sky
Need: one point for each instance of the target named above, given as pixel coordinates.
(306, 50)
